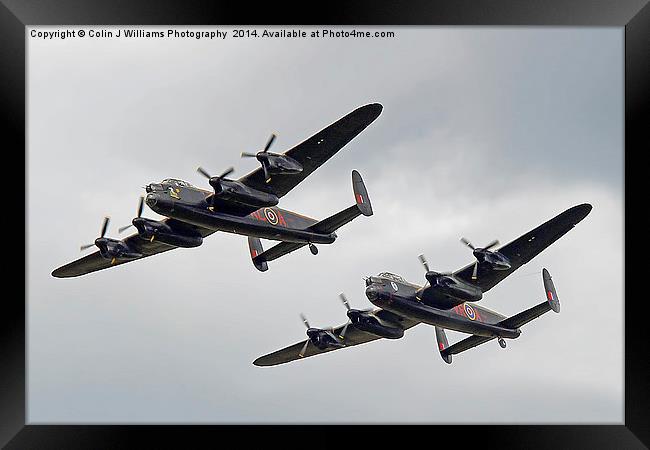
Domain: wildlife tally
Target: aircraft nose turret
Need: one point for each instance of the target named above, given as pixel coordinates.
(376, 294)
(151, 200)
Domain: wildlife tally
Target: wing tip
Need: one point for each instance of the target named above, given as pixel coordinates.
(372, 109)
(581, 211)
(60, 273)
(259, 362)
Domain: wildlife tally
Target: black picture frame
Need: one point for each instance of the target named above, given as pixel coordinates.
(634, 15)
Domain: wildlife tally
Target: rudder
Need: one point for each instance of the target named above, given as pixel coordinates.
(551, 293)
(361, 194)
(256, 249)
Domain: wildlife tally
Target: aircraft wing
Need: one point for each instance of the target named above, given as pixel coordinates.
(95, 261)
(353, 336)
(526, 247)
(313, 152)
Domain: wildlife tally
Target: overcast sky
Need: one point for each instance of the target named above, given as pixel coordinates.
(485, 133)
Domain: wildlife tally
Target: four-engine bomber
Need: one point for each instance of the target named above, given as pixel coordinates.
(246, 206)
(445, 301)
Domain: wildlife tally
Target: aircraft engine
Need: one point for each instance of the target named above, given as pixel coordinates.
(151, 230)
(234, 191)
(274, 163)
(368, 322)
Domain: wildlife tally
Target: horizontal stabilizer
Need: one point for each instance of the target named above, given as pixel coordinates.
(275, 252)
(361, 206)
(513, 322)
(325, 226)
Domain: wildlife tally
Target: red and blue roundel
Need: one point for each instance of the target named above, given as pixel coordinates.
(271, 216)
(469, 312)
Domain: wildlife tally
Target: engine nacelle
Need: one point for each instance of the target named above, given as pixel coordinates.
(161, 231)
(452, 286)
(366, 321)
(279, 164)
(113, 248)
(323, 339)
(494, 260)
(237, 192)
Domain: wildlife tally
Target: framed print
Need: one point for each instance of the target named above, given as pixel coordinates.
(172, 143)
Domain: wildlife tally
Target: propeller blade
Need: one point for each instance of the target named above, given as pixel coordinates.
(345, 328)
(248, 155)
(475, 271)
(424, 262)
(467, 243)
(266, 173)
(304, 349)
(104, 227)
(121, 229)
(494, 243)
(304, 320)
(140, 206)
(84, 247)
(268, 144)
(227, 172)
(344, 300)
(203, 172)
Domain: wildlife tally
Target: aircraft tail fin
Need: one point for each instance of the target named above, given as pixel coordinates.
(362, 206)
(551, 294)
(443, 344)
(361, 194)
(255, 247)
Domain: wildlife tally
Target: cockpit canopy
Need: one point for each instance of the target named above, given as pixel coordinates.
(392, 276)
(175, 182)
(383, 276)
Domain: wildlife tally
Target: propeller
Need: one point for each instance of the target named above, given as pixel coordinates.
(425, 263)
(140, 208)
(478, 251)
(261, 156)
(101, 235)
(266, 148)
(465, 241)
(304, 347)
(215, 181)
(345, 302)
(203, 172)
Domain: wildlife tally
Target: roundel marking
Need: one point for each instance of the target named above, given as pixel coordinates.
(394, 285)
(271, 216)
(550, 296)
(469, 312)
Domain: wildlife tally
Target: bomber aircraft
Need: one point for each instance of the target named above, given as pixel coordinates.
(446, 301)
(246, 206)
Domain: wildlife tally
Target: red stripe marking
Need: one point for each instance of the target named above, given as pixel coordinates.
(441, 346)
(359, 198)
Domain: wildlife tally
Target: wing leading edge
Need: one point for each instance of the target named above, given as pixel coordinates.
(353, 336)
(95, 262)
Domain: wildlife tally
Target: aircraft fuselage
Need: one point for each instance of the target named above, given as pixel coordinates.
(402, 299)
(190, 205)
